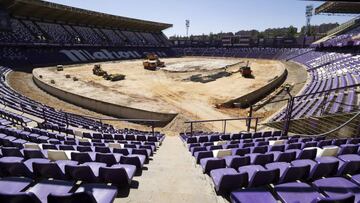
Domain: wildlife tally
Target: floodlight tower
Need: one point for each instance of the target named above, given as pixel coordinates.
(308, 14)
(187, 25)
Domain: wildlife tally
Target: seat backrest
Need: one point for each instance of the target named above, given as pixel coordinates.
(294, 173)
(214, 147)
(286, 156)
(309, 144)
(307, 153)
(217, 143)
(261, 149)
(27, 197)
(83, 173)
(47, 170)
(11, 151)
(220, 153)
(348, 149)
(263, 159)
(66, 147)
(324, 170)
(327, 151)
(32, 146)
(55, 155)
(108, 159)
(84, 148)
(115, 145)
(121, 151)
(241, 151)
(116, 176)
(294, 146)
(72, 198)
(264, 177)
(280, 148)
(102, 149)
(81, 157)
(276, 142)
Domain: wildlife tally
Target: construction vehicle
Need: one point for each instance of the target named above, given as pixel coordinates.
(246, 71)
(59, 67)
(152, 62)
(97, 70)
(114, 77)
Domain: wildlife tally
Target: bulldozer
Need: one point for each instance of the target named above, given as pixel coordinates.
(97, 70)
(114, 77)
(152, 62)
(246, 71)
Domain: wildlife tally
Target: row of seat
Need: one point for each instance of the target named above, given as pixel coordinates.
(327, 190)
(16, 189)
(228, 179)
(91, 172)
(237, 136)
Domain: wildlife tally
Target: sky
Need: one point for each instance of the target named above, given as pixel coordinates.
(210, 15)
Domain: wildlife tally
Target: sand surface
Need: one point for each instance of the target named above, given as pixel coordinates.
(170, 90)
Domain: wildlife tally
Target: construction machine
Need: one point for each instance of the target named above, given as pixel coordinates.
(246, 71)
(97, 70)
(152, 62)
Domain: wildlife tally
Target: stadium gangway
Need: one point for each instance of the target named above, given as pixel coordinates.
(248, 122)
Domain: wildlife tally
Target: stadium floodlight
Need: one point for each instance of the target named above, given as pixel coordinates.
(309, 13)
(187, 24)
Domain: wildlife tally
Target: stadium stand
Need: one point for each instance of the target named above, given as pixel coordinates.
(43, 163)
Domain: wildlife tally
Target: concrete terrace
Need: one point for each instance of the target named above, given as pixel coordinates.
(172, 176)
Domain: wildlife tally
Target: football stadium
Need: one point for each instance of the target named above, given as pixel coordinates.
(102, 108)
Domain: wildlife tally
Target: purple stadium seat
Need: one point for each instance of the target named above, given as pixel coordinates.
(228, 179)
(286, 156)
(289, 173)
(261, 159)
(296, 192)
(88, 172)
(54, 170)
(337, 187)
(12, 185)
(83, 157)
(108, 159)
(92, 193)
(260, 176)
(322, 167)
(209, 164)
(54, 187)
(119, 174)
(236, 161)
(136, 160)
(250, 195)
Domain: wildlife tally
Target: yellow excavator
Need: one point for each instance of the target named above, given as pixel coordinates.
(152, 62)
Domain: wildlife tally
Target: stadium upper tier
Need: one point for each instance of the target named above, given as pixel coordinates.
(349, 36)
(36, 32)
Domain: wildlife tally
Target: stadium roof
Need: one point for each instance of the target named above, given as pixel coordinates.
(57, 12)
(339, 7)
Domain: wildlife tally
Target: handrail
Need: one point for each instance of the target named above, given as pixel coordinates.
(248, 122)
(335, 129)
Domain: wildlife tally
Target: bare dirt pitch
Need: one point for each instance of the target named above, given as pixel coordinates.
(190, 86)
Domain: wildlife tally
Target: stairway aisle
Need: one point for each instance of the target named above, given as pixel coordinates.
(172, 177)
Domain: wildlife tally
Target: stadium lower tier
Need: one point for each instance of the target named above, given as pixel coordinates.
(269, 167)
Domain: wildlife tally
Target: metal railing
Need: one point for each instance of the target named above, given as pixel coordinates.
(293, 99)
(247, 119)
